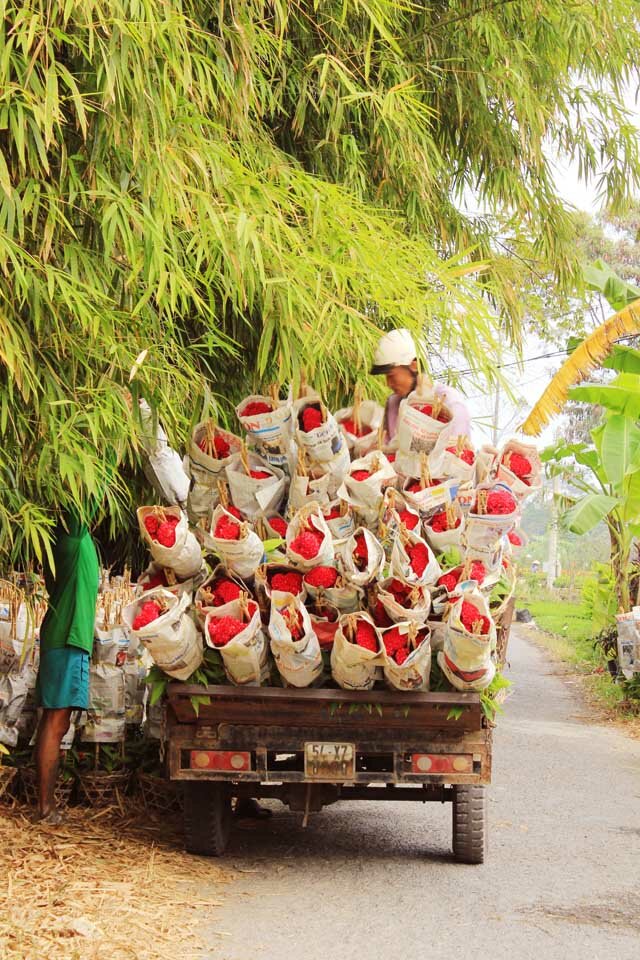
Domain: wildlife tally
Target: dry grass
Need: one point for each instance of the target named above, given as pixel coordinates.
(101, 888)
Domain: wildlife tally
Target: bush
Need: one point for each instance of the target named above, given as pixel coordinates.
(599, 597)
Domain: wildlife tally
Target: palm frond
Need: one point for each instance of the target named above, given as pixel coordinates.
(579, 365)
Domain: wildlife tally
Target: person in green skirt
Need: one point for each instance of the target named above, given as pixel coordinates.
(66, 642)
(66, 634)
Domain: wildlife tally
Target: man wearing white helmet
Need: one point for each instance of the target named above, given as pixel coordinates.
(396, 358)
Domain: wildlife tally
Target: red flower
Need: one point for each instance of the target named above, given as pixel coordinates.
(333, 514)
(221, 446)
(234, 512)
(151, 524)
(409, 518)
(279, 525)
(224, 629)
(416, 486)
(519, 465)
(380, 615)
(224, 591)
(360, 475)
(287, 582)
(470, 615)
(478, 571)
(399, 590)
(260, 475)
(397, 586)
(295, 623)
(427, 409)
(227, 529)
(514, 538)
(307, 544)
(311, 419)
(440, 524)
(401, 655)
(255, 407)
(467, 455)
(324, 577)
(162, 531)
(156, 580)
(350, 427)
(391, 457)
(360, 552)
(450, 579)
(147, 613)
(393, 640)
(401, 593)
(166, 534)
(418, 555)
(366, 636)
(500, 502)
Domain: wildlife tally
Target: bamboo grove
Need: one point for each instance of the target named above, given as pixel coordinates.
(252, 189)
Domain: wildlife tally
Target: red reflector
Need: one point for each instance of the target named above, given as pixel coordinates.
(441, 763)
(227, 760)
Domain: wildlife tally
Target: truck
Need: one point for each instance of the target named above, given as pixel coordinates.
(313, 747)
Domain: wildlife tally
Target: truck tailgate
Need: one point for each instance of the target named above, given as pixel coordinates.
(410, 712)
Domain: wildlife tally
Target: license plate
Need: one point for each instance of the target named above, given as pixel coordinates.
(329, 761)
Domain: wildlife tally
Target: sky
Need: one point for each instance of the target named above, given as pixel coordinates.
(530, 380)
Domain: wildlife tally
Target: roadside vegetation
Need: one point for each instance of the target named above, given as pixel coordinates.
(565, 625)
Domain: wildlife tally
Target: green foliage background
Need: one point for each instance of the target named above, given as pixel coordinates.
(249, 189)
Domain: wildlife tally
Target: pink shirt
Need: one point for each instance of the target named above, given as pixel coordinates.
(391, 410)
(459, 425)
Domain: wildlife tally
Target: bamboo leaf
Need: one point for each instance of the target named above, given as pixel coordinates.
(5, 178)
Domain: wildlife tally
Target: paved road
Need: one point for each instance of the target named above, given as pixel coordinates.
(377, 882)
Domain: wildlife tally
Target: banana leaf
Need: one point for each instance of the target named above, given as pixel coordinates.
(588, 512)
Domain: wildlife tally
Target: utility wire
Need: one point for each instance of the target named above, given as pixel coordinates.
(517, 363)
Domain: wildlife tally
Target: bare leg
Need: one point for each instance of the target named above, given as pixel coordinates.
(53, 726)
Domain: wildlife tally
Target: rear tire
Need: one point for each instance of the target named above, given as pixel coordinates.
(207, 817)
(469, 823)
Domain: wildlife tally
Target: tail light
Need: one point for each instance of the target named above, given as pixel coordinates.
(441, 763)
(229, 761)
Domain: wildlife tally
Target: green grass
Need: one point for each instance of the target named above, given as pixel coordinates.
(569, 621)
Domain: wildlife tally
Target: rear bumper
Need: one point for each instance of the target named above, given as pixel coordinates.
(275, 755)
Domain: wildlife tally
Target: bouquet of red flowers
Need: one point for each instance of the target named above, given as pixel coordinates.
(309, 540)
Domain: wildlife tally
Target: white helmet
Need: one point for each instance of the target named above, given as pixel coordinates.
(395, 349)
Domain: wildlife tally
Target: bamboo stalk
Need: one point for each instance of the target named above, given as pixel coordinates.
(425, 473)
(223, 493)
(355, 411)
(450, 514)
(244, 458)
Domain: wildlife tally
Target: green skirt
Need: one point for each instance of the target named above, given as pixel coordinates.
(63, 679)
